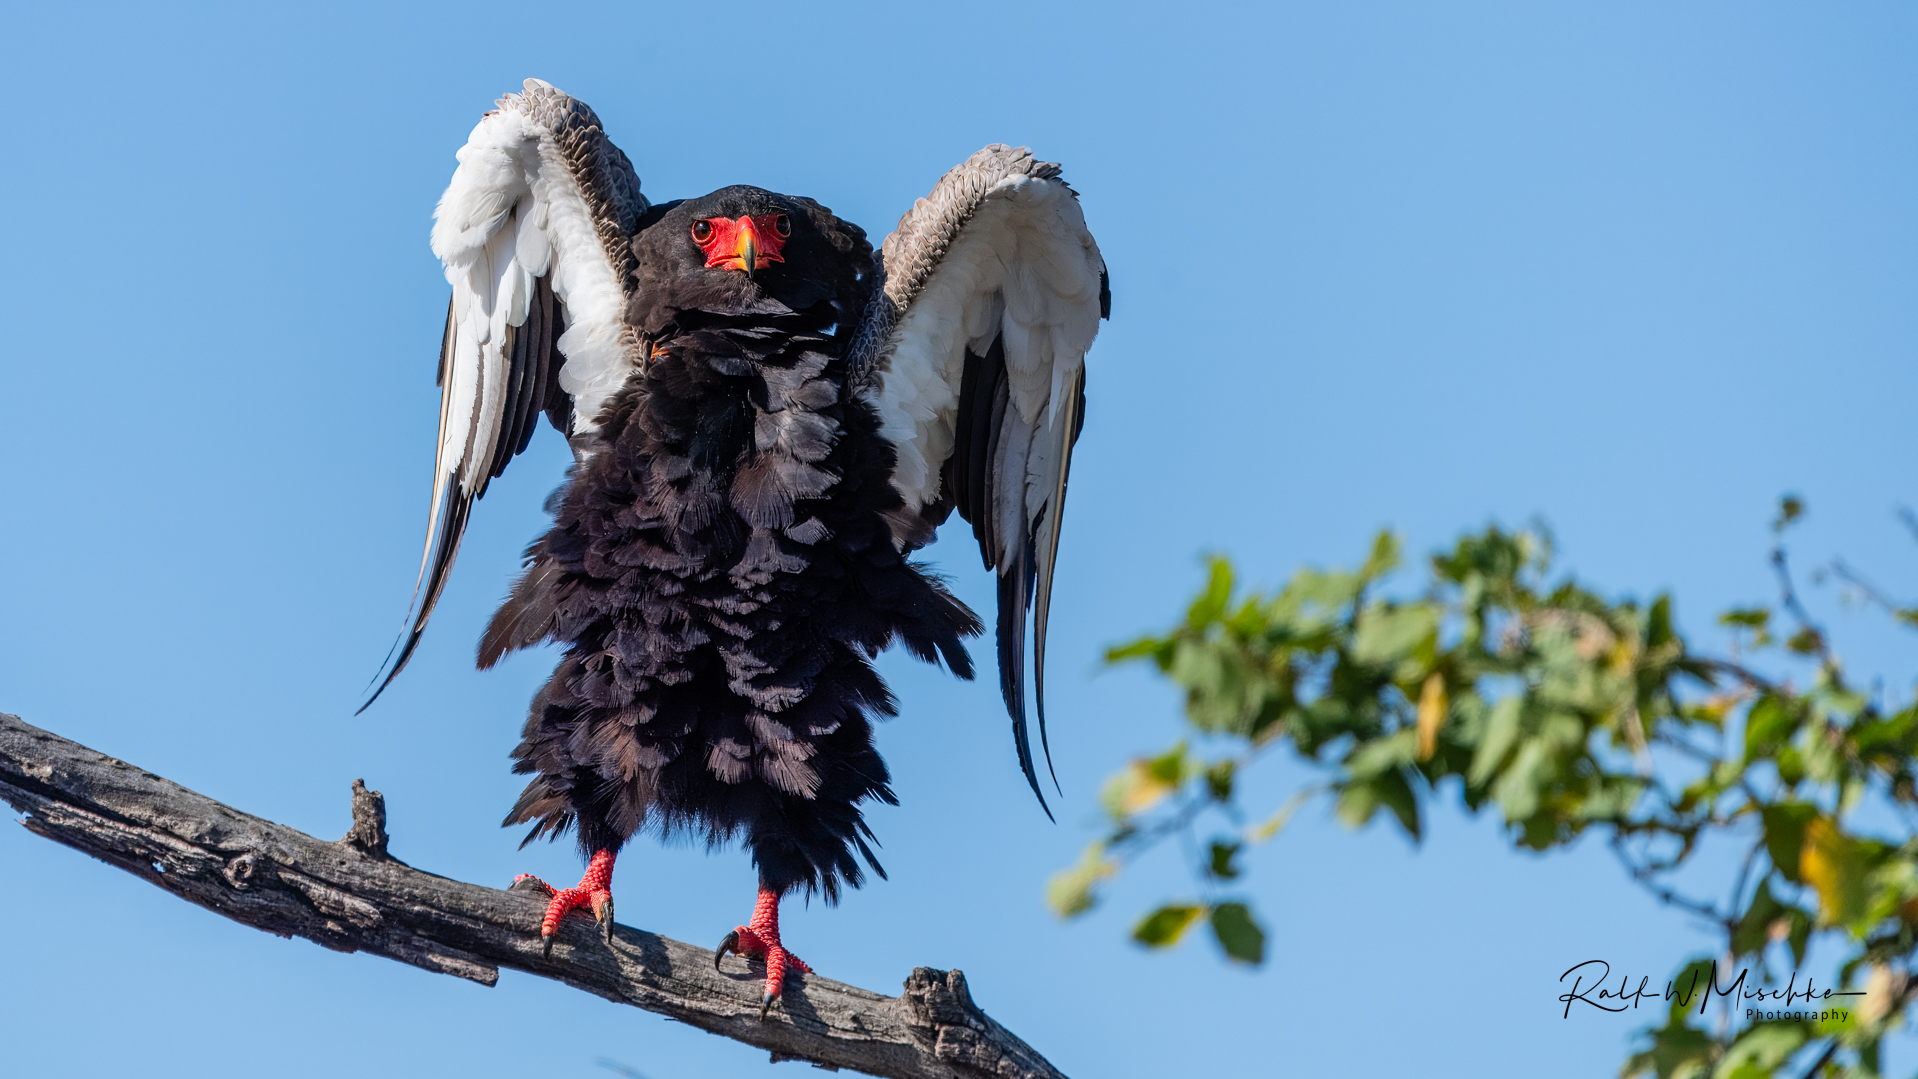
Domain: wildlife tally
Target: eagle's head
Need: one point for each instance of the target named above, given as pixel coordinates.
(746, 251)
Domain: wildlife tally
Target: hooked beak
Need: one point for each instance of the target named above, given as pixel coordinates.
(748, 252)
(741, 243)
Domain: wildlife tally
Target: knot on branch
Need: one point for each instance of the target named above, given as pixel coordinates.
(961, 1034)
(242, 872)
(368, 834)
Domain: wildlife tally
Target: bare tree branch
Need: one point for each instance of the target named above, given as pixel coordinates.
(1788, 598)
(352, 896)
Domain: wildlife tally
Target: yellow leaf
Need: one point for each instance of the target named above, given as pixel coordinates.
(1831, 862)
(1882, 989)
(1163, 927)
(1432, 706)
(1070, 891)
(1134, 789)
(1273, 824)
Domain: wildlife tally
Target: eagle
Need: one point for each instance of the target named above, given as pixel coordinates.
(767, 418)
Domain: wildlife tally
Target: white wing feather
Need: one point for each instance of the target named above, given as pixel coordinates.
(1023, 269)
(999, 252)
(516, 211)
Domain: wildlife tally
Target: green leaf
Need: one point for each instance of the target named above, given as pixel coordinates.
(1388, 633)
(1791, 766)
(1790, 508)
(1806, 642)
(1769, 725)
(1798, 935)
(1501, 731)
(1754, 931)
(1384, 557)
(1677, 1052)
(1824, 758)
(1381, 755)
(1220, 863)
(1361, 799)
(1311, 588)
(1163, 927)
(1238, 933)
(1357, 803)
(1519, 786)
(1218, 780)
(1749, 617)
(1658, 621)
(1760, 1051)
(1221, 681)
(1169, 767)
(1154, 647)
(1785, 835)
(1210, 606)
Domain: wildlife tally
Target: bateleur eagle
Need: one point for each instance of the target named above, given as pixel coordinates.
(768, 418)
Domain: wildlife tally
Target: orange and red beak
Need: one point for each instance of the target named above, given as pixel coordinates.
(745, 243)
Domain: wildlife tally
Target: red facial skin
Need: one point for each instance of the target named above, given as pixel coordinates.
(726, 246)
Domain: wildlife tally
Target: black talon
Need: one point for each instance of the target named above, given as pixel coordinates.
(727, 946)
(766, 1006)
(546, 943)
(606, 921)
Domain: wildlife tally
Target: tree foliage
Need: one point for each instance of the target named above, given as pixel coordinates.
(1565, 713)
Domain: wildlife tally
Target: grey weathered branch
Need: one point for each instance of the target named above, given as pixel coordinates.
(353, 896)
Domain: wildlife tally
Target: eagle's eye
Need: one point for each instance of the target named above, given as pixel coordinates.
(702, 232)
(783, 226)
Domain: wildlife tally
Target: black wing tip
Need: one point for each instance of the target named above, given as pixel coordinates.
(406, 654)
(1014, 691)
(1015, 599)
(1040, 694)
(454, 527)
(1025, 765)
(1050, 819)
(1039, 698)
(361, 710)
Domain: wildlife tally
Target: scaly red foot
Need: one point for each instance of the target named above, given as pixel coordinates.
(759, 939)
(594, 893)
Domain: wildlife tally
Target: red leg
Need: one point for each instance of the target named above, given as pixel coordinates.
(593, 893)
(759, 939)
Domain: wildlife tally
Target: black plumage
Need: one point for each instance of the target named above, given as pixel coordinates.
(720, 570)
(767, 419)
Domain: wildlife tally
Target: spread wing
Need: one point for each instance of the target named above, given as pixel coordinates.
(972, 351)
(535, 232)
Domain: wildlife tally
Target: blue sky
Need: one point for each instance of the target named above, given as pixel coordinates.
(1633, 268)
